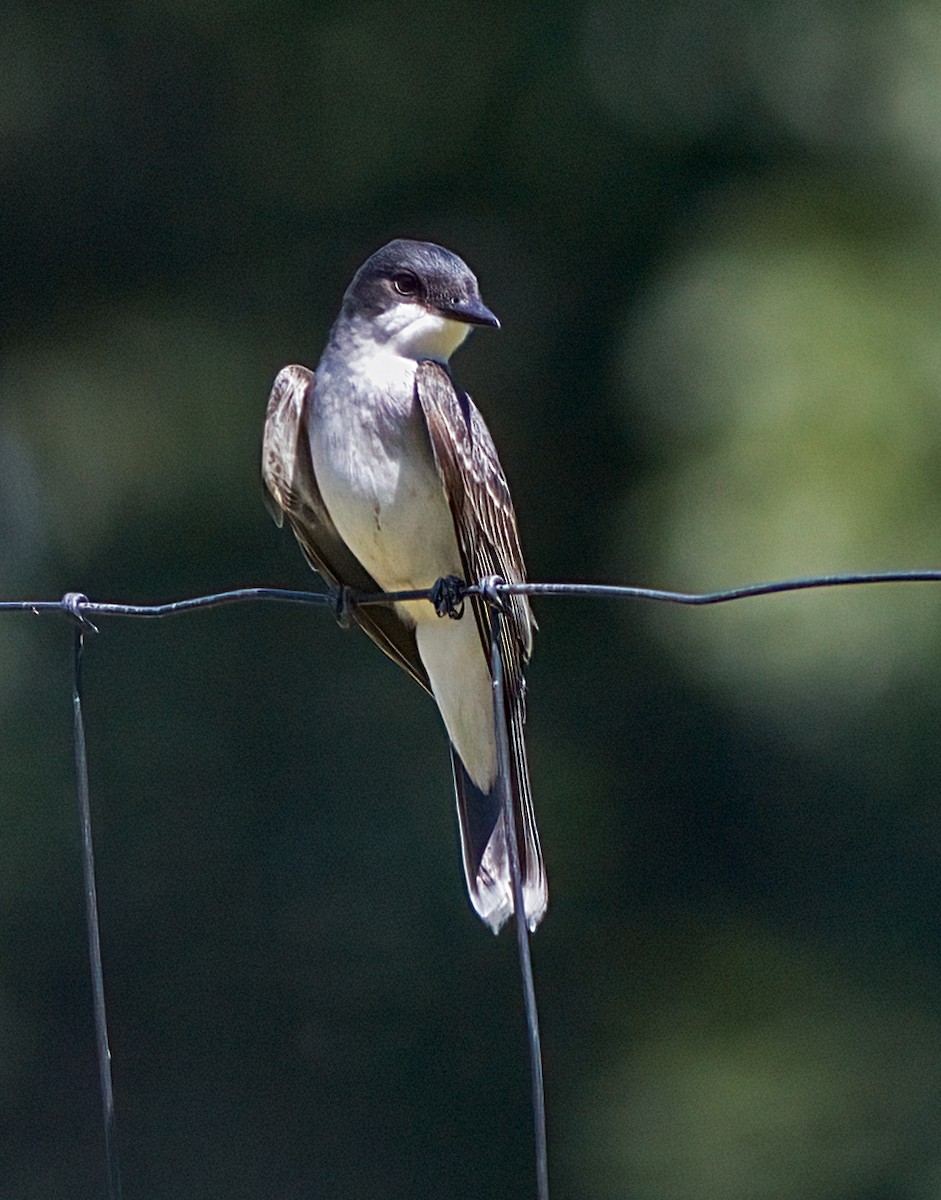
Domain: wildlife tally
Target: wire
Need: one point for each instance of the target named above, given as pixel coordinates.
(92, 923)
(519, 910)
(79, 609)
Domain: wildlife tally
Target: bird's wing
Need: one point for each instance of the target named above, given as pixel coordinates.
(486, 531)
(479, 498)
(291, 486)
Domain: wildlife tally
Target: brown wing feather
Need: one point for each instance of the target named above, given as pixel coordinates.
(485, 524)
(289, 479)
(478, 494)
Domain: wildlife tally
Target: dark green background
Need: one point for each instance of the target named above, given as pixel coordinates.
(711, 231)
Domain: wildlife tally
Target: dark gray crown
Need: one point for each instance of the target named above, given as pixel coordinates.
(420, 272)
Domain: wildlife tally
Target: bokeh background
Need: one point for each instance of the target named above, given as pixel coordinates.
(712, 233)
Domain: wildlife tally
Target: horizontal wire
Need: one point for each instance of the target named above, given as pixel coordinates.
(615, 591)
(73, 602)
(78, 606)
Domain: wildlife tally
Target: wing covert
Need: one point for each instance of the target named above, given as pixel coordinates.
(478, 494)
(292, 490)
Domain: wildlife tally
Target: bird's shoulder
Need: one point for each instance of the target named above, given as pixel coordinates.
(285, 420)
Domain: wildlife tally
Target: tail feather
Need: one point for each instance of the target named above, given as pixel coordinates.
(484, 842)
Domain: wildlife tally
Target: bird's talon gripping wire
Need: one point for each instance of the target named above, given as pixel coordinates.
(343, 604)
(447, 596)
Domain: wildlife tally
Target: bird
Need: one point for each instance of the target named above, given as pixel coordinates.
(390, 481)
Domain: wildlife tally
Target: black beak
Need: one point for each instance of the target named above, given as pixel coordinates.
(471, 311)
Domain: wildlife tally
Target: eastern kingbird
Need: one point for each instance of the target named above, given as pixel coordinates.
(390, 481)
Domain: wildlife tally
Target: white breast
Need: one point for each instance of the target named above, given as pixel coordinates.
(373, 462)
(374, 466)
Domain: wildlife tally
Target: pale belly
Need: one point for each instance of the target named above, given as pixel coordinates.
(381, 486)
(387, 502)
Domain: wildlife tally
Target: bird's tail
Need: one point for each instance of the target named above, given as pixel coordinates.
(484, 841)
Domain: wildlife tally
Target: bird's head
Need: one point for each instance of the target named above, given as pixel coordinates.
(417, 299)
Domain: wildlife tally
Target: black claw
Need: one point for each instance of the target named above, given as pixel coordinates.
(488, 591)
(344, 602)
(72, 604)
(448, 597)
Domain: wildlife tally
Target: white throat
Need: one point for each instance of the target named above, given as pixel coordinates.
(410, 331)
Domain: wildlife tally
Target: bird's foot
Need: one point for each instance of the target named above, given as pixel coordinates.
(448, 597)
(488, 591)
(344, 601)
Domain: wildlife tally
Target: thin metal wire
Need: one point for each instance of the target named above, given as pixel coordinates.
(78, 608)
(519, 910)
(83, 607)
(91, 922)
(739, 593)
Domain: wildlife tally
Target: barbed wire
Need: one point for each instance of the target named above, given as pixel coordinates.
(80, 609)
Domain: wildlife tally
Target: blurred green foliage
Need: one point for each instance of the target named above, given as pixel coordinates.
(711, 232)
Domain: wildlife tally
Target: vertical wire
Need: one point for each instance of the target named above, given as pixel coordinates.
(91, 921)
(504, 777)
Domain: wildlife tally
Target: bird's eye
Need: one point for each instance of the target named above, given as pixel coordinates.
(405, 283)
